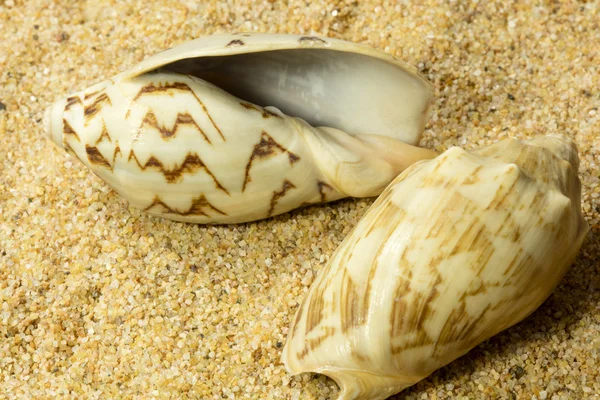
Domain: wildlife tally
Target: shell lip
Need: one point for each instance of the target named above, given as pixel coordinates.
(399, 111)
(216, 45)
(356, 383)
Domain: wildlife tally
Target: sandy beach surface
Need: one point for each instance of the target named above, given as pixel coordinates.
(99, 300)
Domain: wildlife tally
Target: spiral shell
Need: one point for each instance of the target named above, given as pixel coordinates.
(478, 244)
(235, 128)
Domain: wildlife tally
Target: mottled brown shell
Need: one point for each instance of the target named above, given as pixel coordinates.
(454, 251)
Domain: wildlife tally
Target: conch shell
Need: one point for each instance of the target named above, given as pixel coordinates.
(455, 250)
(235, 128)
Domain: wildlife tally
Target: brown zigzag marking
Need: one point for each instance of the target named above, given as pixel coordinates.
(265, 113)
(90, 95)
(235, 42)
(266, 148)
(190, 164)
(93, 109)
(71, 101)
(95, 157)
(287, 185)
(69, 149)
(322, 186)
(68, 130)
(117, 151)
(165, 133)
(103, 135)
(175, 86)
(311, 39)
(198, 207)
(158, 202)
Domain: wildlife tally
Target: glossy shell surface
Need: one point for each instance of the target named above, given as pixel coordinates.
(454, 251)
(235, 128)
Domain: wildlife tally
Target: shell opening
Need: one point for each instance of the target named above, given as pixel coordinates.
(365, 385)
(355, 93)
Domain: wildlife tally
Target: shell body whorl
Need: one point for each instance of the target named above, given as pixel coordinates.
(179, 135)
(454, 251)
(185, 165)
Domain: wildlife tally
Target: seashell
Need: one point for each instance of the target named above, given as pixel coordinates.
(480, 243)
(235, 128)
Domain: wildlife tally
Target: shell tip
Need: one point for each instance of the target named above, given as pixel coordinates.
(560, 145)
(53, 131)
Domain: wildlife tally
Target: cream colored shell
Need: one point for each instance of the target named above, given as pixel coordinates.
(454, 251)
(235, 128)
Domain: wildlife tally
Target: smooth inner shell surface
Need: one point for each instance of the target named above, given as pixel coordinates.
(347, 91)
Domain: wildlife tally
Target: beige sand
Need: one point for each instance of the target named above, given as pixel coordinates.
(98, 300)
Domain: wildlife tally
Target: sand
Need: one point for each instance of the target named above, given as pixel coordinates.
(99, 300)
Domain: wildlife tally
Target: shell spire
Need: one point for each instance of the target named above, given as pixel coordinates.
(480, 243)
